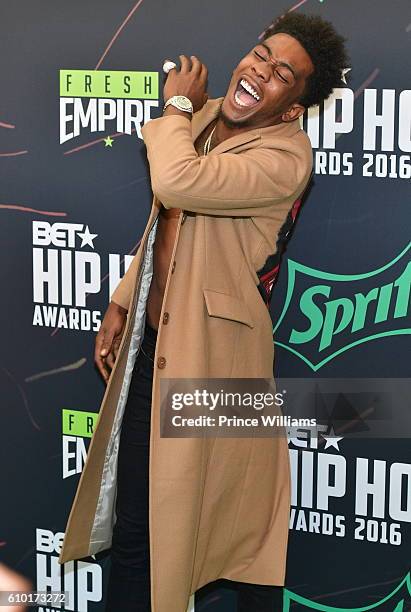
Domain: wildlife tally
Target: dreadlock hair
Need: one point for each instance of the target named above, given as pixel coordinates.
(325, 48)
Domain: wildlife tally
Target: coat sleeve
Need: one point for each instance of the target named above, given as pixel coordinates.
(230, 184)
(122, 293)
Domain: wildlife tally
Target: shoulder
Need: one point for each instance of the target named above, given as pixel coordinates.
(292, 143)
(286, 133)
(292, 139)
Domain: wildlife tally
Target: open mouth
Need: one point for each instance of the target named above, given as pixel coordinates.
(245, 95)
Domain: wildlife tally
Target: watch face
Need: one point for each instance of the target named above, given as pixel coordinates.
(182, 101)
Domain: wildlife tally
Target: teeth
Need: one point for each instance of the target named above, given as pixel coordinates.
(249, 88)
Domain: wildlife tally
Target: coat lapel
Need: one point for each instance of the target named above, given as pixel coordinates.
(209, 112)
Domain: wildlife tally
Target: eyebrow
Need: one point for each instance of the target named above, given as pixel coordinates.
(290, 68)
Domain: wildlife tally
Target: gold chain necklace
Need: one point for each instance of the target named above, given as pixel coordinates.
(207, 143)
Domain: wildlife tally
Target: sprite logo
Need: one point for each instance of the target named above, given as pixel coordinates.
(343, 310)
(393, 602)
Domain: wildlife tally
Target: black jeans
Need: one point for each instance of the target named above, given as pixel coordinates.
(129, 580)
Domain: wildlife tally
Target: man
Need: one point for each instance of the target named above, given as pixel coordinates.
(181, 513)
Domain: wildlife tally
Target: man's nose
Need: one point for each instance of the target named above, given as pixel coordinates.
(261, 70)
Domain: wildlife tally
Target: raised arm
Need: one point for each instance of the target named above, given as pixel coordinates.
(230, 184)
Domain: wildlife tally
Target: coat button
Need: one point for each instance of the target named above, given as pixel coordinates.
(184, 217)
(161, 363)
(166, 317)
(173, 267)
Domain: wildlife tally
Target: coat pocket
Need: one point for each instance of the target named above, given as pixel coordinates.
(227, 306)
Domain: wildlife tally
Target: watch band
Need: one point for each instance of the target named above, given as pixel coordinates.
(181, 102)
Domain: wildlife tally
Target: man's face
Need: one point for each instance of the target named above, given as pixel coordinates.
(266, 76)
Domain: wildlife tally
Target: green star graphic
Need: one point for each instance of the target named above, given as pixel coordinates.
(108, 141)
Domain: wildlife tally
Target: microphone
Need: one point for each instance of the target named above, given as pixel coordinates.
(168, 65)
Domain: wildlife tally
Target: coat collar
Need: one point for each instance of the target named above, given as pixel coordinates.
(209, 112)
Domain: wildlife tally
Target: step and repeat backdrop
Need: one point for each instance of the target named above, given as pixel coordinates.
(74, 199)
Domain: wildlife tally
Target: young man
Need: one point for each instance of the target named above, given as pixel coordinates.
(225, 173)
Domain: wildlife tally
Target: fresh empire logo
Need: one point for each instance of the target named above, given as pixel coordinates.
(78, 428)
(66, 271)
(333, 313)
(93, 100)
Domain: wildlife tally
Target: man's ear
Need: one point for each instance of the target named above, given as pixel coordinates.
(295, 111)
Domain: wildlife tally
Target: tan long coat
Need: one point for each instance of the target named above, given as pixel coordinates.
(219, 507)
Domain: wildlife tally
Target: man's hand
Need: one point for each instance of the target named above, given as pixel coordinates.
(189, 81)
(108, 339)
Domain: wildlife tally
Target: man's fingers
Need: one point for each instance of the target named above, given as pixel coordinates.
(199, 68)
(110, 359)
(204, 72)
(102, 368)
(116, 346)
(102, 350)
(106, 344)
(196, 64)
(185, 64)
